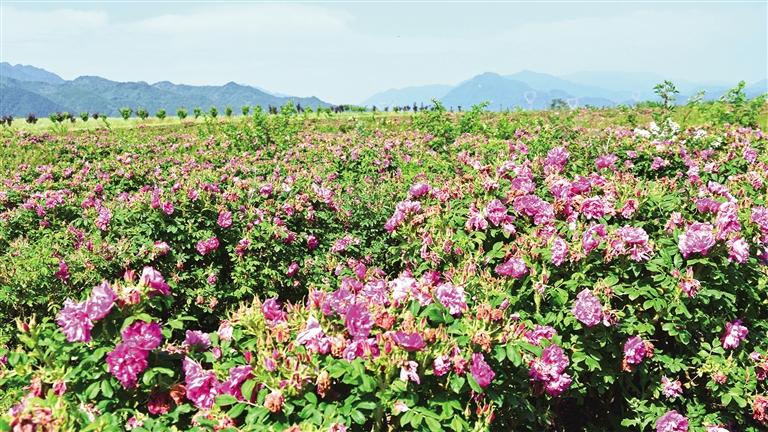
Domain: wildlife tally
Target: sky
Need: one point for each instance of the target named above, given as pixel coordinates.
(347, 51)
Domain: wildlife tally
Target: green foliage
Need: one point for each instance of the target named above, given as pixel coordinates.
(160, 114)
(736, 109)
(437, 123)
(181, 113)
(142, 113)
(125, 113)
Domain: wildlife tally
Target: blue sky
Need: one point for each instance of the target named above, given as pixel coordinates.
(346, 51)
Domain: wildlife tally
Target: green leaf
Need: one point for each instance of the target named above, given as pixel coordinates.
(369, 406)
(106, 388)
(236, 410)
(247, 389)
(93, 390)
(474, 385)
(225, 399)
(457, 383)
(433, 424)
(357, 417)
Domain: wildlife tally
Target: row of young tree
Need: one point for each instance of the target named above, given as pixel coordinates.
(213, 112)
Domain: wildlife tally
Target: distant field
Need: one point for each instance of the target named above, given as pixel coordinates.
(585, 117)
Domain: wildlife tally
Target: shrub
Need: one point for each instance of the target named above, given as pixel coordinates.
(125, 113)
(535, 273)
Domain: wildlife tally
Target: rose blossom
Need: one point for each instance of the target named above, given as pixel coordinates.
(549, 370)
(481, 371)
(237, 376)
(672, 421)
(671, 389)
(225, 219)
(159, 403)
(409, 341)
(452, 297)
(143, 335)
(409, 372)
(153, 279)
(697, 238)
(126, 362)
(201, 385)
(441, 365)
(559, 250)
(635, 350)
(587, 308)
(513, 267)
(273, 313)
(738, 250)
(358, 321)
(734, 334)
(74, 321)
(274, 401)
(196, 339)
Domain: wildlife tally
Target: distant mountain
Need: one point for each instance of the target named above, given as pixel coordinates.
(234, 95)
(757, 89)
(536, 90)
(408, 96)
(20, 102)
(28, 73)
(95, 94)
(498, 91)
(637, 83)
(546, 82)
(505, 93)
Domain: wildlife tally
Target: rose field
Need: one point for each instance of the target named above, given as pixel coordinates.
(563, 270)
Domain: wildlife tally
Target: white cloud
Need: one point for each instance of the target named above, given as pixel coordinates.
(25, 26)
(256, 19)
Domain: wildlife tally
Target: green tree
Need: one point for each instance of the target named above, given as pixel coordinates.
(667, 92)
(558, 104)
(214, 112)
(228, 111)
(246, 109)
(142, 113)
(197, 112)
(125, 113)
(160, 114)
(181, 113)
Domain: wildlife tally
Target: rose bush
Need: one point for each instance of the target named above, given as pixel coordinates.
(492, 272)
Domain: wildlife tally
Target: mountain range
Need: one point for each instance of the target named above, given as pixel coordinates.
(536, 90)
(28, 89)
